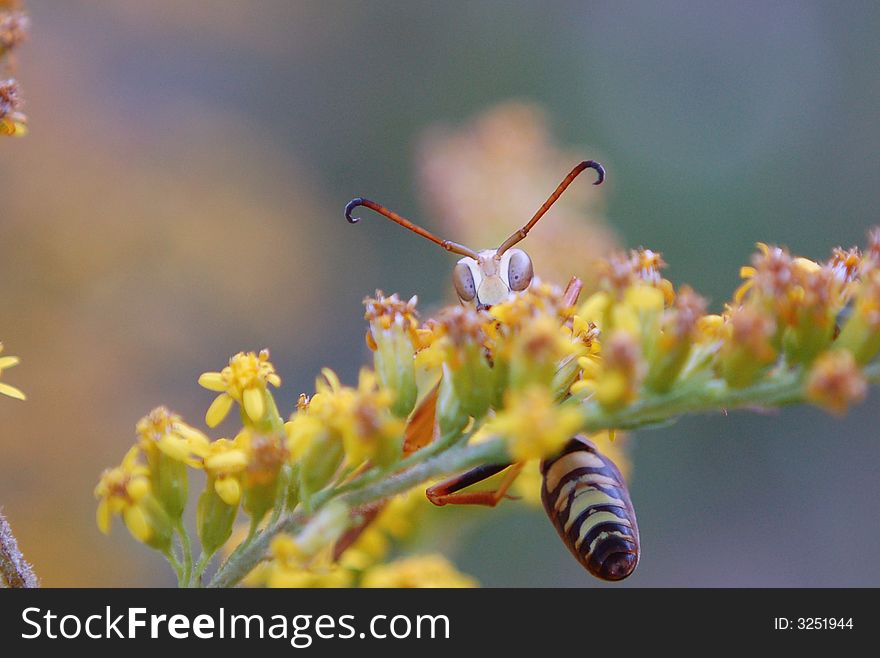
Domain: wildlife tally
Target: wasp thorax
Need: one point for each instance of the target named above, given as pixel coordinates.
(490, 278)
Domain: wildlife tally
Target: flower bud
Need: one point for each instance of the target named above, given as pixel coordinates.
(214, 519)
(392, 336)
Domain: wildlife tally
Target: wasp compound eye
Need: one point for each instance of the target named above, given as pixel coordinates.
(519, 270)
(463, 280)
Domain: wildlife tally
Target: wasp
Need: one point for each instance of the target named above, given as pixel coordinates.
(583, 492)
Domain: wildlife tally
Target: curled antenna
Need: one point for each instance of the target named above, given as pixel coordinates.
(524, 231)
(454, 247)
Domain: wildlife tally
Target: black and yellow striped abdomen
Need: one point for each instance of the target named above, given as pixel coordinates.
(586, 498)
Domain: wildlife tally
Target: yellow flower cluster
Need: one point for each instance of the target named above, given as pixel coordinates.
(268, 465)
(312, 558)
(525, 376)
(789, 312)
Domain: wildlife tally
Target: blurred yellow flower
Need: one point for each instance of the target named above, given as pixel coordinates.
(424, 571)
(7, 389)
(533, 423)
(126, 490)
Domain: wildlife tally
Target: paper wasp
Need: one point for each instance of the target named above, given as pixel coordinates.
(583, 492)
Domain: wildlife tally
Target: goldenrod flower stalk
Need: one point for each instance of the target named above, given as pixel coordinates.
(515, 384)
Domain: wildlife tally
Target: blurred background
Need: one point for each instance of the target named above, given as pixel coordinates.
(180, 199)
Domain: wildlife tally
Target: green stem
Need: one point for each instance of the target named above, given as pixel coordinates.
(186, 549)
(455, 459)
(448, 455)
(702, 396)
(176, 565)
(201, 565)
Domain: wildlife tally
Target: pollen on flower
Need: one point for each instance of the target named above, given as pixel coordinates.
(385, 311)
(835, 381)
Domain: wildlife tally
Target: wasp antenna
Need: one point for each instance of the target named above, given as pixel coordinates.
(524, 231)
(454, 247)
(600, 170)
(351, 205)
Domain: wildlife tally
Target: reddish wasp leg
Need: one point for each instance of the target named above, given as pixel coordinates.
(449, 491)
(421, 428)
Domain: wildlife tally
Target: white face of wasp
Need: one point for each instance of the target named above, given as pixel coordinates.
(491, 279)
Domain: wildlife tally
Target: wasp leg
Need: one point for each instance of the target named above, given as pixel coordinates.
(422, 426)
(449, 491)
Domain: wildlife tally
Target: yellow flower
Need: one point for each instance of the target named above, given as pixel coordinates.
(360, 418)
(245, 380)
(533, 424)
(424, 571)
(622, 370)
(6, 389)
(170, 445)
(747, 346)
(126, 490)
(288, 567)
(163, 430)
(224, 461)
(304, 560)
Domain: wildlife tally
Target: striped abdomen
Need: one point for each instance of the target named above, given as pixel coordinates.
(586, 498)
